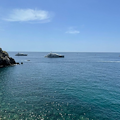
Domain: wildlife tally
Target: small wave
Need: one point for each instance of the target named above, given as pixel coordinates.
(110, 61)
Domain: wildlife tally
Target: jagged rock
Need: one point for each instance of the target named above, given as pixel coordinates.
(5, 60)
(12, 61)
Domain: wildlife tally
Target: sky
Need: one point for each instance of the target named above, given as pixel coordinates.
(60, 25)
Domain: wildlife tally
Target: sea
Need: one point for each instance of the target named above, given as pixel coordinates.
(80, 86)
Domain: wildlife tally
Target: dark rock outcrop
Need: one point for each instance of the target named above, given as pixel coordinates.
(5, 60)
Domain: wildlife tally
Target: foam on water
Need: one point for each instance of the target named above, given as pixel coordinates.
(110, 61)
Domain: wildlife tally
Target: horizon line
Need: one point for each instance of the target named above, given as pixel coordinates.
(69, 51)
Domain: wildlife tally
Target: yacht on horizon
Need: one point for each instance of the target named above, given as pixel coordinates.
(21, 54)
(54, 55)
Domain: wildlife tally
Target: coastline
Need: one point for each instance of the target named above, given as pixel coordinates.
(5, 60)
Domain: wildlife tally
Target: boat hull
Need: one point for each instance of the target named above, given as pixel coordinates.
(54, 55)
(21, 54)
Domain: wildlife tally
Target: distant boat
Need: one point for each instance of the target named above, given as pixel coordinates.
(21, 54)
(54, 55)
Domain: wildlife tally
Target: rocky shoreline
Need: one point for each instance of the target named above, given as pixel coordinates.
(5, 60)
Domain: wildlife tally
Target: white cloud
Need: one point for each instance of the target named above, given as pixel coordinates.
(73, 32)
(31, 15)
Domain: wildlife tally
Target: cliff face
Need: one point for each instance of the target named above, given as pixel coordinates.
(5, 60)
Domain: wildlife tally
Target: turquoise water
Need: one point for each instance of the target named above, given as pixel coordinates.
(81, 86)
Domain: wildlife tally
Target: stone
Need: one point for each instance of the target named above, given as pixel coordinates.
(5, 60)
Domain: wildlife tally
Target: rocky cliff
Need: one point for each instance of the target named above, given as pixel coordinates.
(5, 60)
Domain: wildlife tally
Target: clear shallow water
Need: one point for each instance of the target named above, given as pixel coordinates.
(81, 86)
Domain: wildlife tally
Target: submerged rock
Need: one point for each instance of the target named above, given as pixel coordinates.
(5, 60)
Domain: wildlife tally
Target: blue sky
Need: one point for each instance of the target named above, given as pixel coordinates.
(60, 25)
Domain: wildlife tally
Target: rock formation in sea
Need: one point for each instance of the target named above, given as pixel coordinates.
(5, 60)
